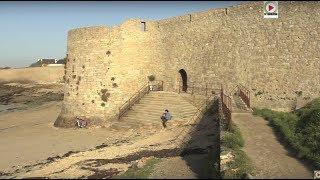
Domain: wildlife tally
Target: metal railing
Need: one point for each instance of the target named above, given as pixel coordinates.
(158, 86)
(244, 93)
(205, 90)
(199, 90)
(145, 89)
(226, 107)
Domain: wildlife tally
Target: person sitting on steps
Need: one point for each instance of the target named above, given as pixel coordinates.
(166, 116)
(81, 123)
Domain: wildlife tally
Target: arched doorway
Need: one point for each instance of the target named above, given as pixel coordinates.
(184, 78)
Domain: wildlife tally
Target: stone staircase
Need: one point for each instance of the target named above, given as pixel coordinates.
(238, 106)
(146, 113)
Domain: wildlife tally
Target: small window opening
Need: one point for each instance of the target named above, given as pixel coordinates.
(143, 26)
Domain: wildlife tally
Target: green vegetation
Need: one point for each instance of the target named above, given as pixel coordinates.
(258, 93)
(233, 141)
(299, 128)
(151, 78)
(115, 85)
(242, 164)
(299, 93)
(5, 67)
(139, 173)
(40, 63)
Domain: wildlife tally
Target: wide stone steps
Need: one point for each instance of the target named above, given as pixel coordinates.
(157, 113)
(161, 108)
(162, 103)
(147, 112)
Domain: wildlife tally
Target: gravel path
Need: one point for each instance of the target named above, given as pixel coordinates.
(270, 157)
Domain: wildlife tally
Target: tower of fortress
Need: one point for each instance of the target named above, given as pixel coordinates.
(273, 58)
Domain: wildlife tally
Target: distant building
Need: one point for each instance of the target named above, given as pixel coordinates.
(48, 62)
(45, 62)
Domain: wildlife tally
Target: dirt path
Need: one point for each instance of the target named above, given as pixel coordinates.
(270, 157)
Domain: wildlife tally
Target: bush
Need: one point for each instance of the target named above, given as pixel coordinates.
(233, 139)
(242, 163)
(5, 67)
(139, 173)
(151, 78)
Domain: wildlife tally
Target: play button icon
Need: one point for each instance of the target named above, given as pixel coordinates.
(270, 7)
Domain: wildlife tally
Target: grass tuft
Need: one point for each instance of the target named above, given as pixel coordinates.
(139, 173)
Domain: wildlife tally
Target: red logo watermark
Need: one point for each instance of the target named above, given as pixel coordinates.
(316, 174)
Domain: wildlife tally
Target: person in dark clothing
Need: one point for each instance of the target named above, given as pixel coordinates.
(166, 116)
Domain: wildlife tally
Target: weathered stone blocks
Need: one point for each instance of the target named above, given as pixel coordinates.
(218, 46)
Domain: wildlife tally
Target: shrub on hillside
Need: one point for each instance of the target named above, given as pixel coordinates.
(5, 67)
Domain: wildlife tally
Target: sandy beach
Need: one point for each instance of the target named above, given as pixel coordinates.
(32, 147)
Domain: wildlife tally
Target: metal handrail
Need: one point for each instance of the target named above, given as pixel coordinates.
(226, 107)
(194, 89)
(244, 94)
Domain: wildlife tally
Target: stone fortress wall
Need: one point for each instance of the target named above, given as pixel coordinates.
(276, 59)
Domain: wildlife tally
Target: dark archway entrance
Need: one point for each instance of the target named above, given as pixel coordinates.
(184, 78)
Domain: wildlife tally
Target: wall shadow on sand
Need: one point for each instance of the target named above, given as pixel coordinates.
(204, 138)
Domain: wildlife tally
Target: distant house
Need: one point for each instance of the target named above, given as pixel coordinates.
(46, 62)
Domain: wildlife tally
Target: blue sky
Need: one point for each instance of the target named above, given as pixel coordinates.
(33, 30)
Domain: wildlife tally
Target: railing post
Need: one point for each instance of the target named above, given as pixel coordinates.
(249, 99)
(119, 115)
(129, 103)
(206, 89)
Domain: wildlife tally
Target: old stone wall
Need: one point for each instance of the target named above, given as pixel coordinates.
(276, 59)
(105, 67)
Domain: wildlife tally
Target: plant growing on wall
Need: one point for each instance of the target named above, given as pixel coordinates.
(258, 93)
(299, 93)
(78, 81)
(104, 95)
(151, 78)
